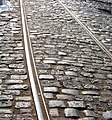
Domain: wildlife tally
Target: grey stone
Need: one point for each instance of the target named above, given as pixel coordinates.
(48, 95)
(3, 76)
(6, 97)
(89, 113)
(18, 87)
(21, 77)
(77, 104)
(6, 116)
(13, 81)
(87, 118)
(5, 104)
(0, 81)
(46, 77)
(107, 115)
(90, 86)
(88, 98)
(54, 59)
(90, 93)
(87, 69)
(71, 112)
(102, 76)
(78, 64)
(23, 104)
(62, 53)
(16, 66)
(6, 111)
(3, 87)
(72, 85)
(50, 52)
(20, 71)
(23, 110)
(71, 73)
(49, 61)
(109, 76)
(70, 91)
(5, 69)
(54, 112)
(51, 89)
(25, 116)
(23, 98)
(64, 63)
(14, 20)
(64, 97)
(13, 92)
(56, 103)
(86, 74)
(57, 72)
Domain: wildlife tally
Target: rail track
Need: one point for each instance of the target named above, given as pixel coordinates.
(37, 89)
(40, 105)
(68, 67)
(102, 46)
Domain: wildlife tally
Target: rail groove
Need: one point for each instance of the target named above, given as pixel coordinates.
(40, 105)
(87, 30)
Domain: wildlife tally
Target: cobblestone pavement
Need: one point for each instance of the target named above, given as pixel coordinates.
(16, 102)
(74, 72)
(98, 21)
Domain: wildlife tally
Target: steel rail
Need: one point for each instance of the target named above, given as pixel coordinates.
(36, 91)
(87, 30)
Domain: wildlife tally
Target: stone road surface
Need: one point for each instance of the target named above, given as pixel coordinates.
(16, 102)
(75, 74)
(100, 22)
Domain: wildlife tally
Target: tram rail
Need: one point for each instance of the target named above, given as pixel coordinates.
(102, 46)
(40, 105)
(65, 70)
(88, 32)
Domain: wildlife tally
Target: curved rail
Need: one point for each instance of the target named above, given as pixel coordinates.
(88, 31)
(39, 101)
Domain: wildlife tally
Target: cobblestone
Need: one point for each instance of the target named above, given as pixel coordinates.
(77, 104)
(51, 89)
(8, 111)
(18, 87)
(89, 113)
(107, 115)
(56, 103)
(54, 112)
(23, 105)
(87, 118)
(79, 68)
(46, 77)
(14, 81)
(99, 13)
(70, 91)
(90, 93)
(48, 95)
(70, 73)
(6, 97)
(64, 97)
(5, 104)
(8, 92)
(19, 77)
(71, 112)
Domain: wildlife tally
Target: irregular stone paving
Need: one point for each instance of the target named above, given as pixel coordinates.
(75, 74)
(16, 102)
(90, 13)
